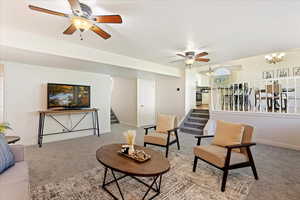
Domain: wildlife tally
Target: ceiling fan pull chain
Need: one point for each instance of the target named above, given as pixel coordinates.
(81, 38)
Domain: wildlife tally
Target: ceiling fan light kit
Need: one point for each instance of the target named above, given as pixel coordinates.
(83, 19)
(191, 56)
(81, 23)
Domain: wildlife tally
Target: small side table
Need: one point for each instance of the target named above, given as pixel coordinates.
(12, 139)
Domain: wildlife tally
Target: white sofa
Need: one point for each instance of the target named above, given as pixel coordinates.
(14, 182)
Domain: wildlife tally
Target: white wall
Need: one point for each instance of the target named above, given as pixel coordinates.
(1, 92)
(124, 100)
(18, 39)
(202, 80)
(190, 90)
(25, 95)
(273, 129)
(168, 99)
(253, 67)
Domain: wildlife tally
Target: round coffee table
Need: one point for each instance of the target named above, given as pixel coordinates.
(12, 139)
(155, 167)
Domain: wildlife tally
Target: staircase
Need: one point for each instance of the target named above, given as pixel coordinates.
(113, 117)
(195, 122)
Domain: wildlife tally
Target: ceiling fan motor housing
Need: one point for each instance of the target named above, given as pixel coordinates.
(86, 11)
(190, 54)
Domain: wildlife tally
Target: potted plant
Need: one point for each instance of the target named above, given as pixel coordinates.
(3, 127)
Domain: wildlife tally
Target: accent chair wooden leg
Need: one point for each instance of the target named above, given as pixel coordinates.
(167, 150)
(224, 180)
(144, 144)
(226, 169)
(252, 163)
(177, 140)
(195, 164)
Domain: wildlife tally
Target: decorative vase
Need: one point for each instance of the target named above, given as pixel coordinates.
(131, 149)
(130, 138)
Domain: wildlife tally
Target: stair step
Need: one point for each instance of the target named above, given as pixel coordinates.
(194, 131)
(200, 111)
(194, 124)
(197, 119)
(205, 115)
(113, 118)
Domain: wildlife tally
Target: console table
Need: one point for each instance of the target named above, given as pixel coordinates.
(52, 113)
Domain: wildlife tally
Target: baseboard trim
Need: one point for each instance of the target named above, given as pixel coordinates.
(277, 144)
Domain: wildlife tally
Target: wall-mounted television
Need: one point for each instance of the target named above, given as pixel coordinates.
(66, 96)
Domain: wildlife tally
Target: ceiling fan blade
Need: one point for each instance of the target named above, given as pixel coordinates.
(202, 59)
(100, 32)
(70, 30)
(108, 19)
(201, 54)
(175, 61)
(180, 54)
(75, 5)
(51, 12)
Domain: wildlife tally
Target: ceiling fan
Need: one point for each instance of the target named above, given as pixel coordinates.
(83, 19)
(191, 56)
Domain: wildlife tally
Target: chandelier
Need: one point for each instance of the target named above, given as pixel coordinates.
(274, 58)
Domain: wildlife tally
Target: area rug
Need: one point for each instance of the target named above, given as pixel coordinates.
(180, 183)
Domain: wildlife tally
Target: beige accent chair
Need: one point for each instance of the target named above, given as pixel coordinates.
(165, 134)
(229, 156)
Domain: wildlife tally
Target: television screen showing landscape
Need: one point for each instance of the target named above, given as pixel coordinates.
(68, 96)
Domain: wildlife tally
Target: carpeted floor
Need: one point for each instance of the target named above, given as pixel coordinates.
(56, 162)
(178, 184)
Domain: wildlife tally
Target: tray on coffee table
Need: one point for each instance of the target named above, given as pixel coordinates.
(145, 157)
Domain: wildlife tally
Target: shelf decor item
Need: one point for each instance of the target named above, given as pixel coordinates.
(130, 138)
(283, 73)
(296, 71)
(268, 74)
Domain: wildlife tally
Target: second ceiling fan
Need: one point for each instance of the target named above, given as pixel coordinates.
(83, 18)
(191, 56)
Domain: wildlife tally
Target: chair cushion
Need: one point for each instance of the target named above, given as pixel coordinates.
(217, 155)
(228, 134)
(6, 156)
(165, 123)
(158, 138)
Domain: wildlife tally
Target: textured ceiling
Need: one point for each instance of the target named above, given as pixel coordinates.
(155, 30)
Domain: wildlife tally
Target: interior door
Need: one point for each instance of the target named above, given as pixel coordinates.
(145, 102)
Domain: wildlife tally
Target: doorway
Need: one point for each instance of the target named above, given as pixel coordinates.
(145, 102)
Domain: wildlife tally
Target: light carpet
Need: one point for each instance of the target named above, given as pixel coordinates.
(180, 183)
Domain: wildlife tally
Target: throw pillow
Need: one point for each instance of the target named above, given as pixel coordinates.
(7, 158)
